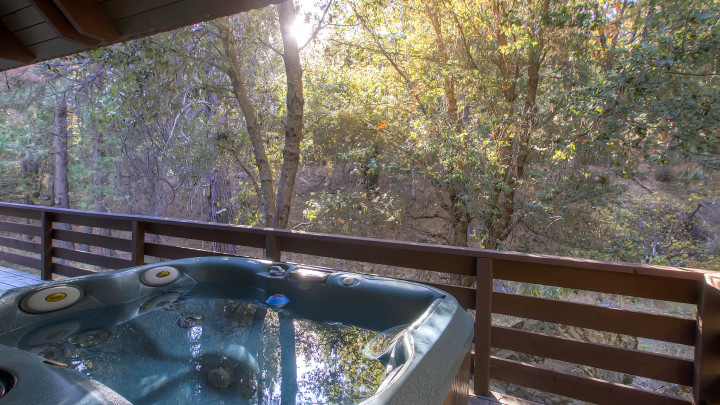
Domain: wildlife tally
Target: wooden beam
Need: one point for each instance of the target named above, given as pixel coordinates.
(91, 258)
(11, 48)
(652, 326)
(22, 229)
(91, 239)
(137, 244)
(20, 244)
(20, 259)
(608, 357)
(20, 211)
(219, 234)
(483, 324)
(272, 248)
(46, 255)
(631, 284)
(177, 252)
(76, 218)
(706, 389)
(89, 19)
(464, 295)
(55, 18)
(70, 271)
(583, 388)
(422, 256)
(367, 250)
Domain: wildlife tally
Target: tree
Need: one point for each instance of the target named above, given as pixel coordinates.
(276, 205)
(466, 115)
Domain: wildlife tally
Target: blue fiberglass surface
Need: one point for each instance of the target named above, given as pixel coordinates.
(218, 351)
(230, 330)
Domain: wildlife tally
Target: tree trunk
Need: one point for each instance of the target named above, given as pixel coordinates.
(460, 222)
(294, 119)
(99, 175)
(29, 169)
(99, 180)
(219, 193)
(515, 150)
(60, 149)
(257, 137)
(276, 210)
(450, 98)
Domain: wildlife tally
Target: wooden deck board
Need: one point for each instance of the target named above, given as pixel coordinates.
(10, 278)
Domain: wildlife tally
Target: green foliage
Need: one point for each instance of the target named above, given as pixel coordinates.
(442, 133)
(350, 212)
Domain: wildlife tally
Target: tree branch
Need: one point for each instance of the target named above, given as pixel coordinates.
(265, 44)
(395, 66)
(319, 27)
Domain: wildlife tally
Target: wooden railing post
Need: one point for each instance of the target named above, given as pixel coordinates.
(483, 321)
(272, 248)
(706, 385)
(138, 243)
(46, 245)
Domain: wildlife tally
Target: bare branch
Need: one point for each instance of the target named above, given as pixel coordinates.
(267, 45)
(319, 27)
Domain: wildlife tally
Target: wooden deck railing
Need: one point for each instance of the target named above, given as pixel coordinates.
(37, 237)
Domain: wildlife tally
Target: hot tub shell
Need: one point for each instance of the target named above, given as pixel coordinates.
(422, 363)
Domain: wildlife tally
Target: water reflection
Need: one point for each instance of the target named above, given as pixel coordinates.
(223, 352)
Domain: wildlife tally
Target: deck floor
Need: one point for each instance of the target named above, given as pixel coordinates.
(10, 278)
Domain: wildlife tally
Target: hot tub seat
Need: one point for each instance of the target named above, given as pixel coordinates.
(37, 382)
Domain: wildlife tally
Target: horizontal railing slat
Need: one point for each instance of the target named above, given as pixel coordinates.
(92, 239)
(16, 210)
(651, 326)
(372, 251)
(91, 258)
(20, 259)
(177, 252)
(286, 236)
(635, 362)
(20, 244)
(70, 271)
(23, 229)
(465, 296)
(218, 233)
(573, 386)
(97, 221)
(635, 285)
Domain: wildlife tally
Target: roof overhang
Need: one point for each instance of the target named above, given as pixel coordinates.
(32, 31)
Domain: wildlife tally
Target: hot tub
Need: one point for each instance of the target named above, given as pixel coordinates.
(229, 330)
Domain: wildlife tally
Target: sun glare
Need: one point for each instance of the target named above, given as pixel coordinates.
(301, 31)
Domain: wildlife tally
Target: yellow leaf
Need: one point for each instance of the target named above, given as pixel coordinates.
(381, 126)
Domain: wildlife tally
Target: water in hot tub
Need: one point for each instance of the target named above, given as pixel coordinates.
(224, 352)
